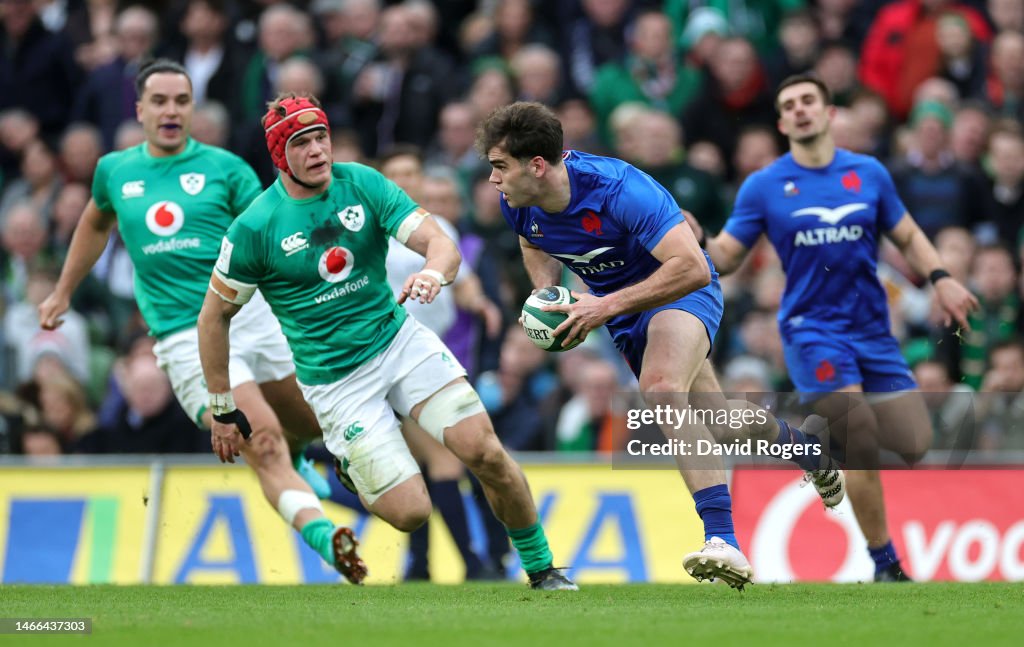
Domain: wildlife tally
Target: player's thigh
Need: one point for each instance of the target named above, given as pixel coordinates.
(178, 356)
(441, 463)
(361, 431)
(677, 345)
(297, 419)
(905, 426)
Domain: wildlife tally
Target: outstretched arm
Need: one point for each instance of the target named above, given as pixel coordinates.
(726, 252)
(214, 351)
(442, 260)
(87, 244)
(955, 300)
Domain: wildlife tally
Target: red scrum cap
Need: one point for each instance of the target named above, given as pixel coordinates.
(300, 116)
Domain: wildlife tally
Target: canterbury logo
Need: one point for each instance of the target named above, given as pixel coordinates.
(294, 243)
(586, 258)
(832, 216)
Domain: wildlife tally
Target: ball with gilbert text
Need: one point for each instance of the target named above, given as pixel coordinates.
(540, 324)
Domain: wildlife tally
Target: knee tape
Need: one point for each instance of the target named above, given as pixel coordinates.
(448, 407)
(291, 501)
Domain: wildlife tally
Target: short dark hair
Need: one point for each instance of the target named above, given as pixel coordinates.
(158, 66)
(524, 129)
(806, 77)
(400, 150)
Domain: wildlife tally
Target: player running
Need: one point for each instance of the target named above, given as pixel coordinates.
(651, 285)
(824, 210)
(315, 244)
(172, 198)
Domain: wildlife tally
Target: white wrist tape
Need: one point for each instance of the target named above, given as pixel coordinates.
(434, 274)
(221, 403)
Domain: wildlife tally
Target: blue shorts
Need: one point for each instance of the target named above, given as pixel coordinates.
(629, 332)
(820, 362)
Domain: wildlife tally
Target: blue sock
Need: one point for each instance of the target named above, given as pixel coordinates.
(714, 505)
(884, 556)
(788, 435)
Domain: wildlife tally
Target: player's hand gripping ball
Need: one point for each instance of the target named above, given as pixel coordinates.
(540, 325)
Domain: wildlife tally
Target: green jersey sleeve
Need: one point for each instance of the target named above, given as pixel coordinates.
(100, 179)
(245, 185)
(391, 203)
(238, 265)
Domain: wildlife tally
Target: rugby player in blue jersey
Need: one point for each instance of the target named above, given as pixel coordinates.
(650, 284)
(824, 210)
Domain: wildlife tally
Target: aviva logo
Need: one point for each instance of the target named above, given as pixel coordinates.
(49, 540)
(352, 431)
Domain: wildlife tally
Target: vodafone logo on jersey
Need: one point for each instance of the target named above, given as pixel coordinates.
(336, 264)
(165, 218)
(946, 525)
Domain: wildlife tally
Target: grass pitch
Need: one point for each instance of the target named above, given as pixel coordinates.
(483, 615)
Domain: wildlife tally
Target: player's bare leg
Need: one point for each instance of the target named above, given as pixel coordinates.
(473, 441)
(856, 426)
(406, 506)
(300, 428)
(267, 454)
(677, 344)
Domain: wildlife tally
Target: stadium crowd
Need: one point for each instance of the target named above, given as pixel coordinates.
(681, 89)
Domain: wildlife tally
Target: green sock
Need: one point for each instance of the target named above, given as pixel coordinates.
(532, 545)
(298, 454)
(317, 534)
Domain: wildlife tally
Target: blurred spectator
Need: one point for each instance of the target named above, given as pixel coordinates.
(454, 146)
(90, 30)
(834, 20)
(29, 342)
(962, 59)
(1002, 398)
(950, 405)
(969, 135)
(660, 154)
(108, 97)
(704, 30)
(151, 421)
(23, 245)
(579, 127)
(211, 124)
(512, 393)
(284, 31)
(756, 20)
(956, 246)
(491, 88)
(67, 210)
(1006, 83)
(739, 96)
(398, 97)
(800, 45)
(128, 134)
(994, 282)
(538, 73)
(18, 128)
(62, 405)
(39, 182)
(756, 148)
(37, 72)
(596, 37)
(850, 133)
(593, 420)
(40, 441)
(652, 73)
(746, 375)
(213, 62)
(1002, 214)
(349, 28)
(80, 150)
(869, 110)
(901, 49)
(935, 188)
(837, 67)
(514, 27)
(1006, 15)
(707, 157)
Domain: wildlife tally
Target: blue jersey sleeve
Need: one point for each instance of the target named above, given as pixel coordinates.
(746, 224)
(646, 209)
(890, 207)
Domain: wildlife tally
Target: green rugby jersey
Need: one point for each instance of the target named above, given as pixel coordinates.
(172, 213)
(319, 263)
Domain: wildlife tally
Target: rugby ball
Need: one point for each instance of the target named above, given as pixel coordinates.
(540, 325)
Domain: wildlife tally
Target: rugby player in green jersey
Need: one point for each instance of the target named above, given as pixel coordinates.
(172, 198)
(314, 244)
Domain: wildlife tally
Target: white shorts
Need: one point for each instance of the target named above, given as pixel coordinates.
(357, 413)
(259, 353)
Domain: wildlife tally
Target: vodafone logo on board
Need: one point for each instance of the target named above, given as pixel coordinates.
(945, 524)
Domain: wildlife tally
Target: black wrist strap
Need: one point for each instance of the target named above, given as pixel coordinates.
(934, 277)
(237, 418)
